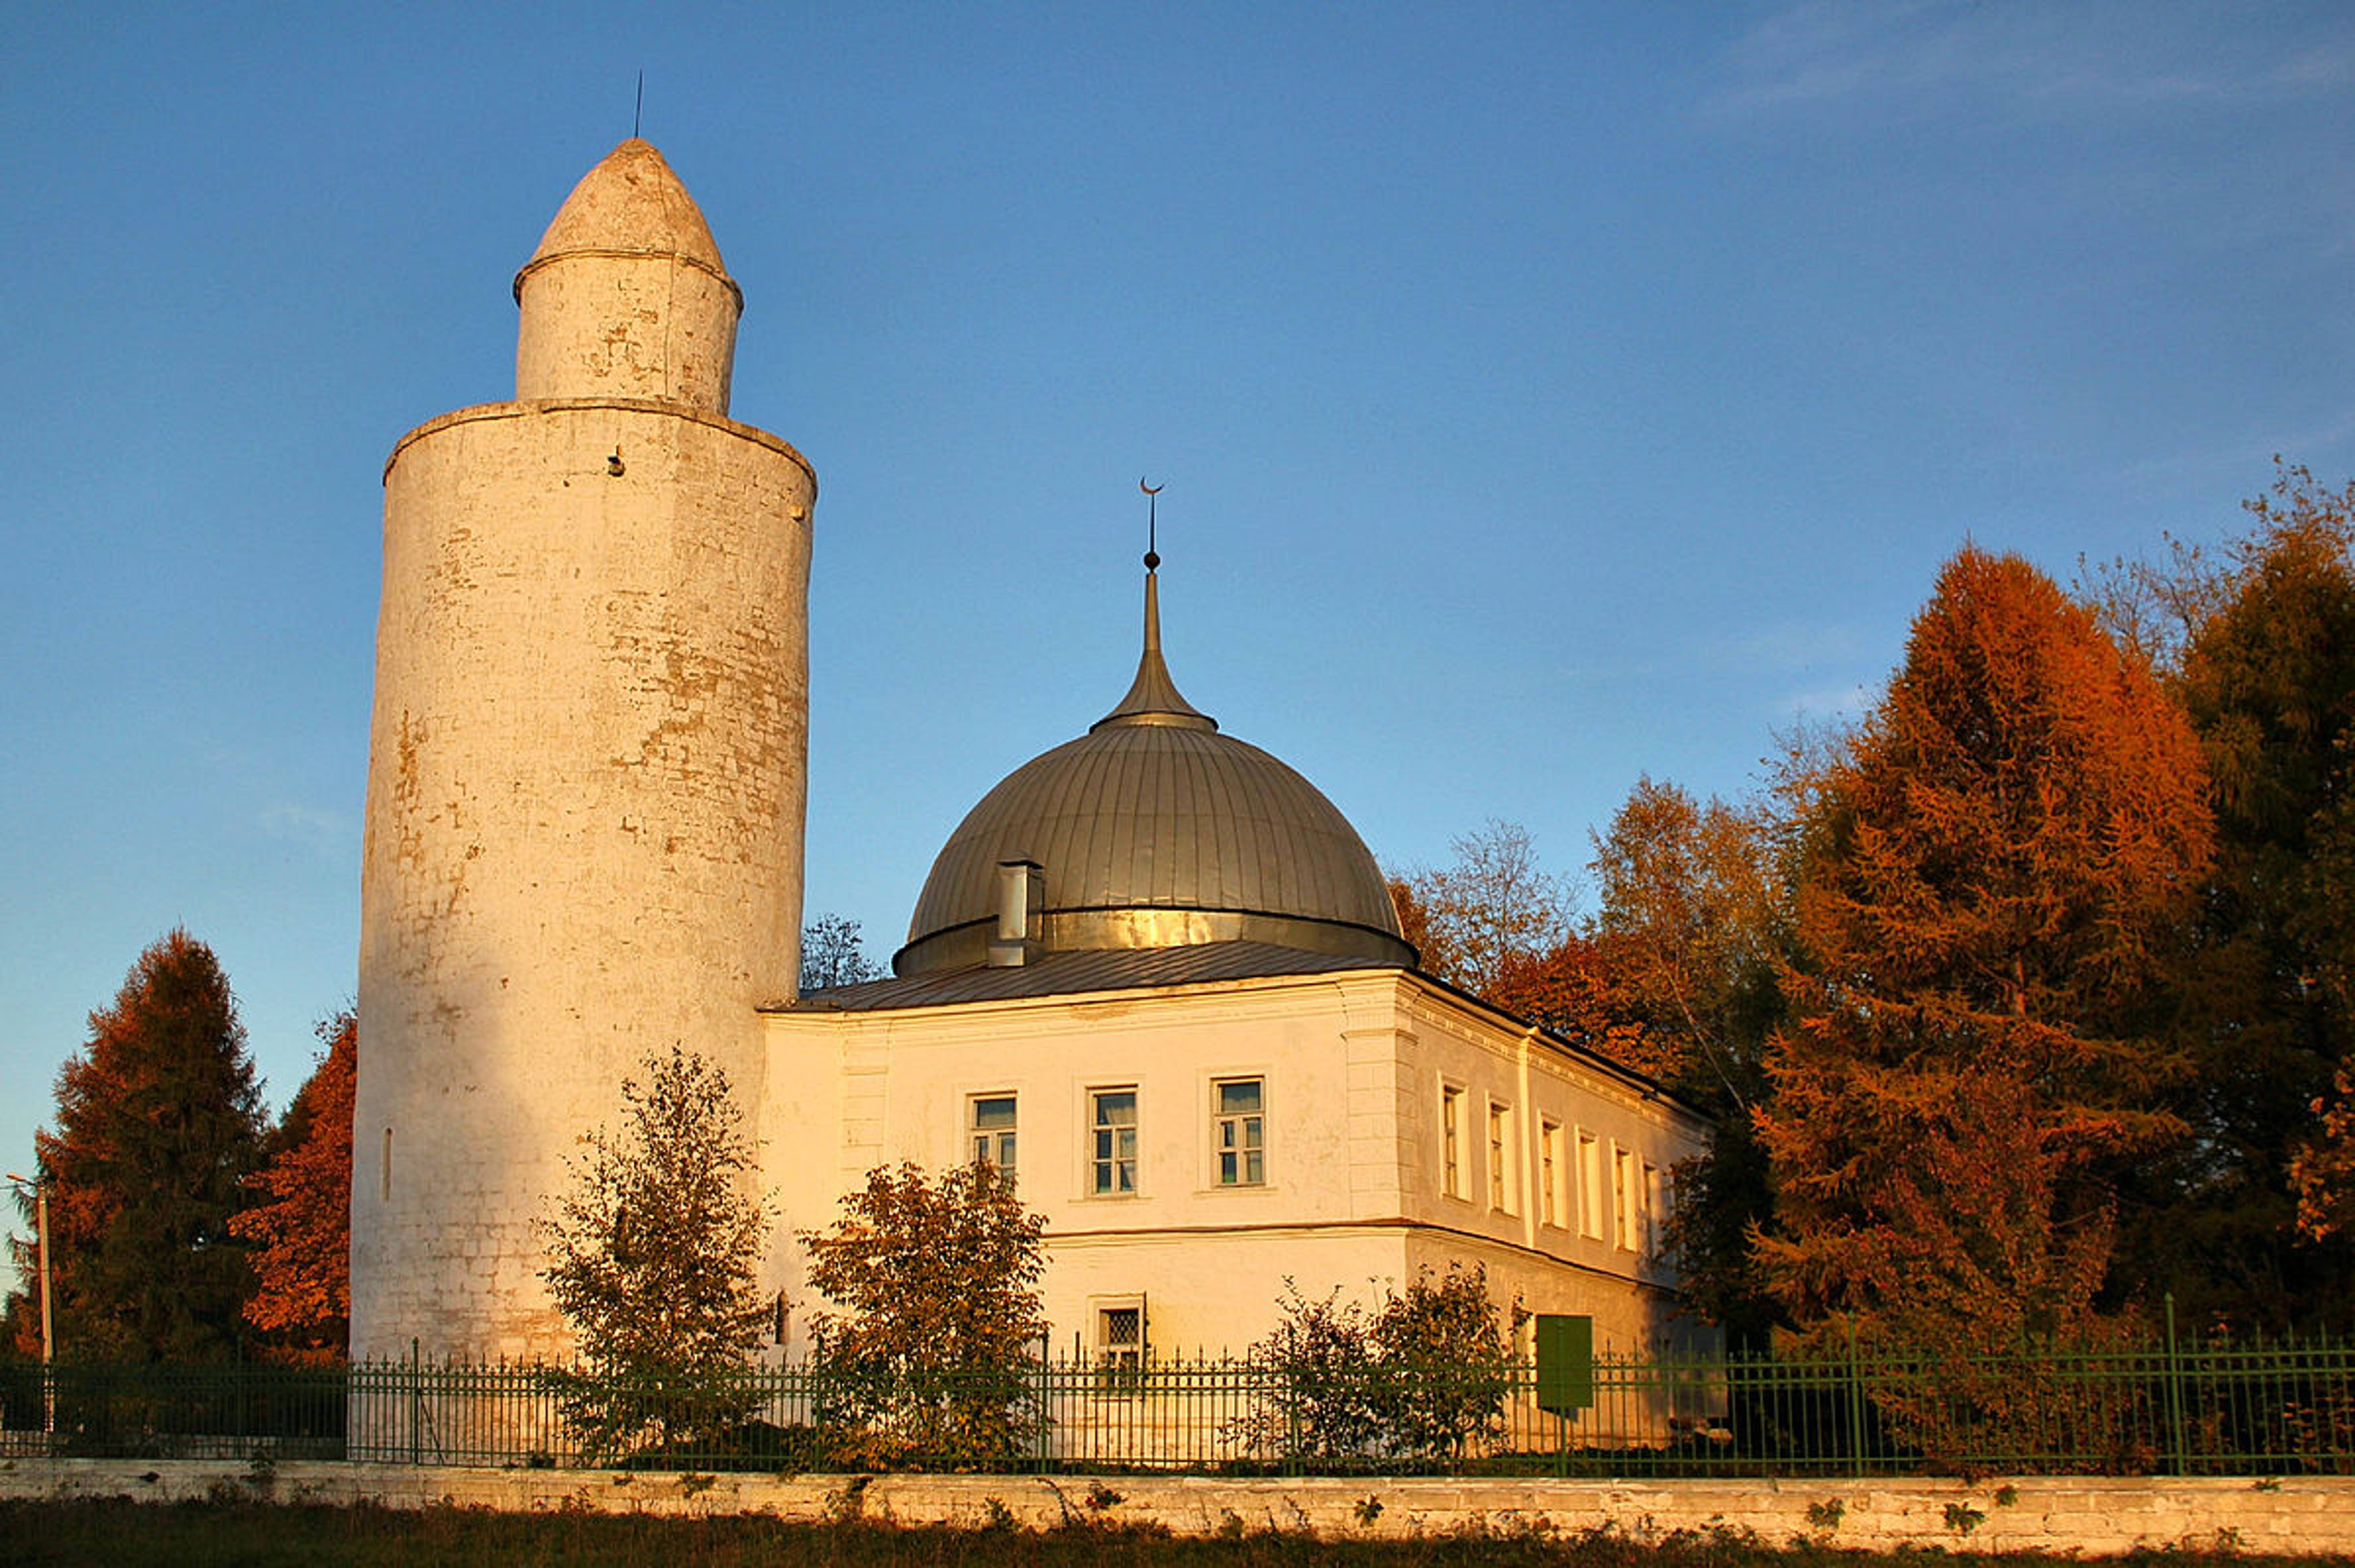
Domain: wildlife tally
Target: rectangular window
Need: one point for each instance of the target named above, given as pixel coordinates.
(1623, 1197)
(1500, 1184)
(1655, 1208)
(1112, 1113)
(1590, 1186)
(1242, 1131)
(1550, 1172)
(1120, 1343)
(989, 1124)
(1451, 1140)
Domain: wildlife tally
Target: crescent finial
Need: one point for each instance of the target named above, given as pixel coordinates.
(1152, 555)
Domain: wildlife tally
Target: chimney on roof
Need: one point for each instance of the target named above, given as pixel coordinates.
(1021, 890)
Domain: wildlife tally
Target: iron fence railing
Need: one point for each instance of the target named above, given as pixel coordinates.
(2165, 1408)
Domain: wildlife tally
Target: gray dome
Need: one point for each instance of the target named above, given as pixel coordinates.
(1154, 830)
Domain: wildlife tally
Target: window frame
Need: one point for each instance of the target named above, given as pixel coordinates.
(1120, 1369)
(1250, 1127)
(976, 1135)
(1502, 1194)
(1625, 1212)
(1108, 1166)
(1451, 1141)
(1591, 1223)
(1550, 1172)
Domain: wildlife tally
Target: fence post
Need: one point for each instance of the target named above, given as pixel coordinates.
(1855, 1398)
(1045, 1396)
(2175, 1392)
(416, 1406)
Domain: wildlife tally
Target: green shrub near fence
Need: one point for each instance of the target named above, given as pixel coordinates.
(2192, 1409)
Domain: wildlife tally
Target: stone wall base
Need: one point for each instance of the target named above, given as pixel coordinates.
(2093, 1516)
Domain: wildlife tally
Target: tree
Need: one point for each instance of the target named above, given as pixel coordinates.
(159, 1121)
(1996, 883)
(2324, 1170)
(1417, 1375)
(651, 1258)
(1495, 902)
(833, 953)
(2266, 670)
(1693, 934)
(300, 1229)
(937, 1275)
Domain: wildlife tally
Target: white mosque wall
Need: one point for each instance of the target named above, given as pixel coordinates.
(1355, 1068)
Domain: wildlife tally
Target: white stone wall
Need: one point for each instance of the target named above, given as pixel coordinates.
(1352, 1065)
(610, 326)
(584, 825)
(2062, 1515)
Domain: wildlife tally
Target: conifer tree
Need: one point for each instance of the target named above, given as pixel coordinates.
(1996, 880)
(159, 1121)
(301, 1224)
(2267, 672)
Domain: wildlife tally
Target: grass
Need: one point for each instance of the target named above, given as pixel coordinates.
(260, 1535)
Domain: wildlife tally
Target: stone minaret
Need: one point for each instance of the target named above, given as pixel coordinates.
(586, 770)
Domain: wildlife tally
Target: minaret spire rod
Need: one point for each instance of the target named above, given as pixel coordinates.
(1152, 556)
(638, 115)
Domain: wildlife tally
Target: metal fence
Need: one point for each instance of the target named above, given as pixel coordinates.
(2187, 1409)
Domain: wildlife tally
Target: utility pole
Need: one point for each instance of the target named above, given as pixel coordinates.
(49, 1337)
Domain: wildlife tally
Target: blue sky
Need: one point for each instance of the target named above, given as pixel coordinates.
(1545, 395)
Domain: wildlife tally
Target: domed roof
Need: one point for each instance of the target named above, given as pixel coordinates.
(631, 203)
(1155, 830)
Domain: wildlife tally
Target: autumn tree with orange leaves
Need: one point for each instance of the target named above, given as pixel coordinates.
(1996, 876)
(301, 1225)
(159, 1120)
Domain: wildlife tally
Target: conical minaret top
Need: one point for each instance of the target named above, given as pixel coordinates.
(1153, 697)
(626, 297)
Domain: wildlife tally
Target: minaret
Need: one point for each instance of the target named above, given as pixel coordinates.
(586, 773)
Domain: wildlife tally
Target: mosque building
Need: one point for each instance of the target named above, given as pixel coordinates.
(1155, 973)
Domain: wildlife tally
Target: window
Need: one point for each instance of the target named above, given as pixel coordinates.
(1590, 1186)
(990, 1123)
(1241, 1130)
(990, 1131)
(1112, 1163)
(1549, 1171)
(1623, 1197)
(1500, 1185)
(1120, 1341)
(1656, 1207)
(384, 1170)
(1451, 1140)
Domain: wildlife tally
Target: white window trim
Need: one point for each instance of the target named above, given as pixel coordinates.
(971, 1102)
(1591, 1176)
(1211, 1150)
(1497, 1156)
(1452, 1166)
(1087, 1093)
(1552, 1157)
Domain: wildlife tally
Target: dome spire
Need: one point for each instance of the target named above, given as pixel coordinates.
(1153, 697)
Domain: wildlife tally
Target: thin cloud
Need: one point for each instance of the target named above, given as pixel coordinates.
(2011, 59)
(306, 825)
